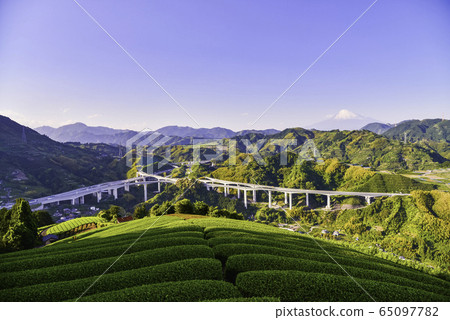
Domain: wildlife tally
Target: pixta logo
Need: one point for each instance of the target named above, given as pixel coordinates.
(140, 150)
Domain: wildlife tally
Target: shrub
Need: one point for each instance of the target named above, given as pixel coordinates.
(184, 206)
(112, 213)
(98, 266)
(140, 211)
(194, 290)
(165, 208)
(201, 208)
(303, 286)
(191, 269)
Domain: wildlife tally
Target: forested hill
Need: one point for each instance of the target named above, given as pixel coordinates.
(358, 147)
(415, 130)
(33, 165)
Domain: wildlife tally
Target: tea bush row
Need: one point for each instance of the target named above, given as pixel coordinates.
(255, 262)
(98, 266)
(90, 254)
(190, 269)
(304, 286)
(193, 290)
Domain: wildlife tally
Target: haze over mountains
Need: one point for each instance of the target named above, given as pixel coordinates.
(79, 132)
(343, 120)
(428, 129)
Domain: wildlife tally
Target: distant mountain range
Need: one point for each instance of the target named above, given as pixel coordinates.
(79, 132)
(428, 129)
(343, 120)
(33, 165)
(213, 133)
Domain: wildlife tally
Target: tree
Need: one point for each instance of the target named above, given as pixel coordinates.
(42, 218)
(184, 206)
(217, 213)
(140, 212)
(21, 232)
(154, 210)
(5, 217)
(201, 208)
(165, 208)
(112, 213)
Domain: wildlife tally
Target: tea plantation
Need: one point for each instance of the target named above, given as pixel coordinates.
(210, 259)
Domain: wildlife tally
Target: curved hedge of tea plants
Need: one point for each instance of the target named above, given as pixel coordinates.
(98, 266)
(190, 269)
(72, 224)
(194, 290)
(305, 286)
(85, 244)
(255, 262)
(224, 251)
(171, 259)
(97, 253)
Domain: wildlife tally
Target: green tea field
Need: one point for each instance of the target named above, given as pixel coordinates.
(211, 259)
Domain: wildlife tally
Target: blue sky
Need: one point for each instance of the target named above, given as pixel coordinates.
(224, 61)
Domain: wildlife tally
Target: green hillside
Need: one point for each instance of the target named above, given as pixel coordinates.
(38, 166)
(207, 259)
(327, 175)
(352, 147)
(416, 130)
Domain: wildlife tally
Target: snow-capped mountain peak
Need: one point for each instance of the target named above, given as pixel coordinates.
(345, 114)
(343, 120)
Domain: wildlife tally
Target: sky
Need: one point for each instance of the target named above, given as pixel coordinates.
(224, 62)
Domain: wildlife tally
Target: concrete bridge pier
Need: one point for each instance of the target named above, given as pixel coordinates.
(239, 193)
(245, 198)
(270, 199)
(254, 195)
(127, 187)
(81, 200)
(368, 200)
(328, 201)
(307, 199)
(159, 186)
(145, 192)
(109, 192)
(115, 194)
(99, 196)
(285, 198)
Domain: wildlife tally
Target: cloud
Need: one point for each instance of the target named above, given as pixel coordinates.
(93, 116)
